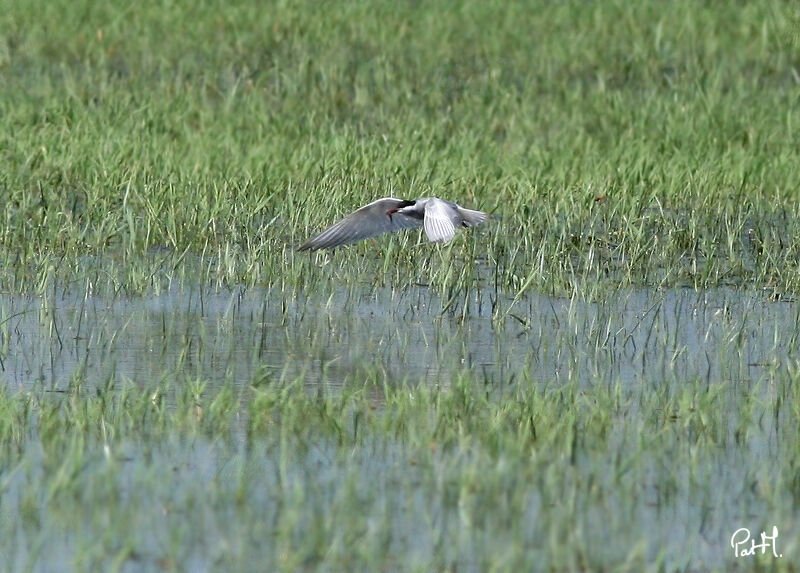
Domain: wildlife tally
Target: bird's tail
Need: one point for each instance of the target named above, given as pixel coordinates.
(472, 218)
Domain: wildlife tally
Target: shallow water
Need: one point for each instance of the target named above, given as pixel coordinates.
(637, 337)
(640, 339)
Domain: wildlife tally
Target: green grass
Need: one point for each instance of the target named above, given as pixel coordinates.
(168, 146)
(406, 478)
(236, 132)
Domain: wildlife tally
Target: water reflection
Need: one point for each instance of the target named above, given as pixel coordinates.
(638, 338)
(347, 336)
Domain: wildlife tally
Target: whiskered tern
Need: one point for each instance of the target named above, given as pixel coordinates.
(439, 219)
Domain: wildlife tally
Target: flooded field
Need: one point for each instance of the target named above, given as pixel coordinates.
(637, 337)
(603, 376)
(318, 422)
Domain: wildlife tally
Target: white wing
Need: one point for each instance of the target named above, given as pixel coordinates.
(366, 222)
(441, 220)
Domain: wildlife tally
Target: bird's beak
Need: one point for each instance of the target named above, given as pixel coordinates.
(402, 205)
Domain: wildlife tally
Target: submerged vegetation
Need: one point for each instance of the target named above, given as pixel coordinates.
(456, 478)
(485, 405)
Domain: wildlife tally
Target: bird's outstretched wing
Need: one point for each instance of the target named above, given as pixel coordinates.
(441, 220)
(368, 221)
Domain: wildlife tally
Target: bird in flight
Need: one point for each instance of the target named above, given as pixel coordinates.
(438, 218)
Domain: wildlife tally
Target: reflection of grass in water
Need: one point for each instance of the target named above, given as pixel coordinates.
(367, 477)
(616, 143)
(240, 135)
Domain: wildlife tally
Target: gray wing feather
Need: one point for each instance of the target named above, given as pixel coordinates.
(366, 222)
(441, 220)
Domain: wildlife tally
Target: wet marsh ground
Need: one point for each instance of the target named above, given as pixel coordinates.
(602, 377)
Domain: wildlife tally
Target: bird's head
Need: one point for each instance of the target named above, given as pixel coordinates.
(401, 205)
